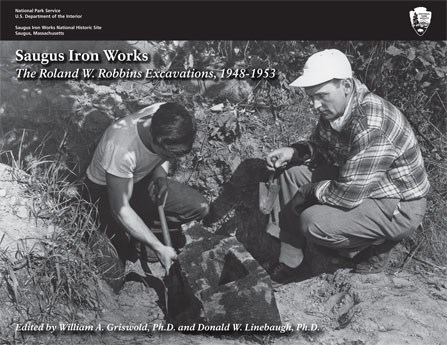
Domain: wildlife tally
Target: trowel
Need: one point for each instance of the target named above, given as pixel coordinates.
(269, 203)
(268, 193)
(273, 228)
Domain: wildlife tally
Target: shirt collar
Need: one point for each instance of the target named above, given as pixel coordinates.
(339, 122)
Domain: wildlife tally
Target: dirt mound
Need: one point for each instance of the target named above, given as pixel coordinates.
(19, 229)
(400, 308)
(338, 308)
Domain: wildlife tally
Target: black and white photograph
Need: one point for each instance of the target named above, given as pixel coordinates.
(283, 190)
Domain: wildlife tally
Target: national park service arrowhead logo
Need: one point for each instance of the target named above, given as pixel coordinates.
(420, 20)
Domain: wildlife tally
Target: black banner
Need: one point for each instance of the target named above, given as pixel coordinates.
(266, 20)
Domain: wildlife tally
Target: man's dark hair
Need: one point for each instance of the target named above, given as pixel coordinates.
(337, 82)
(173, 128)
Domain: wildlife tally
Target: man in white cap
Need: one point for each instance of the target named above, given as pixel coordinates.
(358, 185)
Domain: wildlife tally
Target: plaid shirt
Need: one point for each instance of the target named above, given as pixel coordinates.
(377, 153)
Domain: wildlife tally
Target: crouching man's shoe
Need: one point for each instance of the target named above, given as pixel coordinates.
(375, 259)
(282, 274)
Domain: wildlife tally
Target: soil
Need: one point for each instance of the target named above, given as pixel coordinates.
(68, 118)
(395, 307)
(399, 308)
(18, 229)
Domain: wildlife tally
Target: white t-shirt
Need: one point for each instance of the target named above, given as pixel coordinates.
(121, 152)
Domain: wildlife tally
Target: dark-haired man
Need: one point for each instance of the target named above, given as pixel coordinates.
(363, 189)
(128, 175)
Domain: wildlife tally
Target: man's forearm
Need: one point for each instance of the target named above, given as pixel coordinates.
(136, 228)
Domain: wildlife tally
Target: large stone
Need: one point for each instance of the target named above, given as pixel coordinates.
(223, 283)
(219, 90)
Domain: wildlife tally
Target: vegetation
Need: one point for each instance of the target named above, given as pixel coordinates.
(57, 279)
(411, 75)
(66, 119)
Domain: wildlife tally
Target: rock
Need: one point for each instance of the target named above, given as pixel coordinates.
(231, 90)
(224, 283)
(22, 212)
(234, 91)
(217, 108)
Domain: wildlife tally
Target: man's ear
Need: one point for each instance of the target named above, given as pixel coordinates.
(348, 86)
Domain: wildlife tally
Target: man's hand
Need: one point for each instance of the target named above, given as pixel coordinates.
(166, 255)
(120, 191)
(279, 158)
(305, 196)
(158, 189)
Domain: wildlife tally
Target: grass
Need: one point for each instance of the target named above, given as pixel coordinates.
(429, 243)
(58, 277)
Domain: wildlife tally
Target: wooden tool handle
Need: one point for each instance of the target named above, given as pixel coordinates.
(164, 226)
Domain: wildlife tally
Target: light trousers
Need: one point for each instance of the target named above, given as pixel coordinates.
(348, 231)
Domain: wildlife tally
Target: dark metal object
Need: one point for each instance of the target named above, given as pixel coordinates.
(173, 279)
(268, 192)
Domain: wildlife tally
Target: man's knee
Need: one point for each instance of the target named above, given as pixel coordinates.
(307, 222)
(196, 208)
(184, 203)
(315, 227)
(200, 209)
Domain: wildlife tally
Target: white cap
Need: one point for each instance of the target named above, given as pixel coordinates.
(324, 66)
